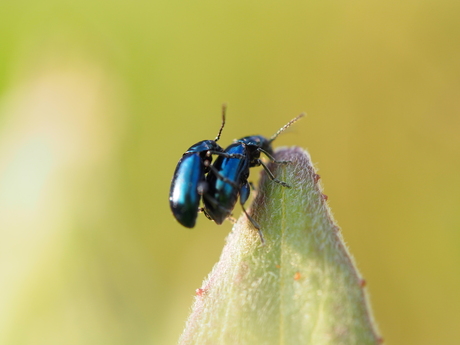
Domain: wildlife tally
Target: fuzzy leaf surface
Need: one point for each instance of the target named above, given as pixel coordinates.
(301, 287)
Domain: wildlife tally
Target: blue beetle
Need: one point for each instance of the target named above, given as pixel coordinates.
(228, 177)
(188, 183)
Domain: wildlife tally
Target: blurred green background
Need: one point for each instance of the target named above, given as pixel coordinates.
(98, 101)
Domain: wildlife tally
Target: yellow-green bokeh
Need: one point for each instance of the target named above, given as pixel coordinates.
(98, 100)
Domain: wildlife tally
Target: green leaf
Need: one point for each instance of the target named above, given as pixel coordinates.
(301, 287)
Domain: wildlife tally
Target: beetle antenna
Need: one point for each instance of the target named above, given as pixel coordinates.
(282, 129)
(224, 109)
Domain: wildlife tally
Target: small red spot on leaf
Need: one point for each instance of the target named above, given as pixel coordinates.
(316, 178)
(297, 276)
(278, 266)
(324, 196)
(200, 292)
(362, 283)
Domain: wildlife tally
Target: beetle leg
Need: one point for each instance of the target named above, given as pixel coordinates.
(226, 155)
(256, 225)
(231, 155)
(271, 157)
(222, 177)
(215, 203)
(270, 174)
(244, 195)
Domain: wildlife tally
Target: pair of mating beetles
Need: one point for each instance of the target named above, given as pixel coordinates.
(219, 184)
